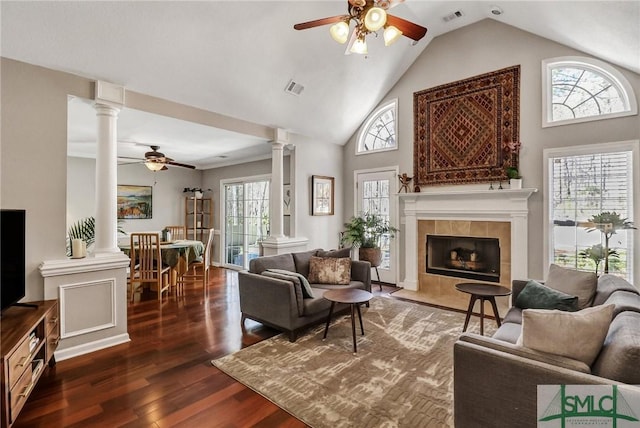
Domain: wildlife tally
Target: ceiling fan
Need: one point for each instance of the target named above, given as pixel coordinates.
(157, 161)
(369, 16)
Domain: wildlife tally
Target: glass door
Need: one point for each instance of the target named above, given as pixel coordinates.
(374, 190)
(246, 221)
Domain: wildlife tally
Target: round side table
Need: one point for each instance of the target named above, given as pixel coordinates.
(483, 292)
(353, 297)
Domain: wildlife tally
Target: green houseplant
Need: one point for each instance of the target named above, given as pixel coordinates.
(365, 232)
(608, 223)
(515, 179)
(596, 254)
(85, 229)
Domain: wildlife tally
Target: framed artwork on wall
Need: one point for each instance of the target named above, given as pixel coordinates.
(134, 202)
(322, 195)
(286, 199)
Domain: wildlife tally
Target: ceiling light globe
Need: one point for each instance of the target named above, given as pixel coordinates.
(359, 47)
(375, 19)
(340, 32)
(391, 34)
(154, 166)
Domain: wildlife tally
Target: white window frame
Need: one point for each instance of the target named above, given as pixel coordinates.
(372, 118)
(597, 66)
(634, 147)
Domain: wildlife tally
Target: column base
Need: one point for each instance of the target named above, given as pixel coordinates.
(282, 245)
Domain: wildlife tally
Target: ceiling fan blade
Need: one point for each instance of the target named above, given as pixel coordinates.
(184, 165)
(127, 157)
(319, 22)
(408, 28)
(352, 40)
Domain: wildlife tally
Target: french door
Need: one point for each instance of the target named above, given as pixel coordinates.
(246, 220)
(375, 193)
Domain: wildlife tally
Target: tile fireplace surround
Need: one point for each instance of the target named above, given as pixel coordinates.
(501, 214)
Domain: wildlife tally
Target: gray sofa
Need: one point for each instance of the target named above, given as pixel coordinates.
(279, 303)
(495, 381)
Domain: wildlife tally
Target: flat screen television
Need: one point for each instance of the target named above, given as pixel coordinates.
(12, 256)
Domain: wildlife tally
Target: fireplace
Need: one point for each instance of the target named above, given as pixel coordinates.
(464, 257)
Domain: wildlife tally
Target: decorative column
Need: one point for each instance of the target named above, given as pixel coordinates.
(277, 175)
(109, 99)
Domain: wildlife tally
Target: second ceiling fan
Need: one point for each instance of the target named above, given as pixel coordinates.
(369, 16)
(157, 161)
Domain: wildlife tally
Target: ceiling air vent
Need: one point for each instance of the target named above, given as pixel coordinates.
(453, 15)
(294, 88)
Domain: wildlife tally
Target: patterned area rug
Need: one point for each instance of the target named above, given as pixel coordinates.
(402, 375)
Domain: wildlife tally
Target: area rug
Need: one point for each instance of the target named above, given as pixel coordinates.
(401, 376)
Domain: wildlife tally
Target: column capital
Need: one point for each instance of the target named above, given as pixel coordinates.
(277, 145)
(106, 109)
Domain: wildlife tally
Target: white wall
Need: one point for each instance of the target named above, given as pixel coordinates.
(480, 48)
(316, 157)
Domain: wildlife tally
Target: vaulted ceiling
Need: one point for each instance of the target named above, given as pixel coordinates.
(236, 58)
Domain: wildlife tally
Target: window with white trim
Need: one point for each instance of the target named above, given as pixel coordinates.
(577, 89)
(584, 186)
(379, 131)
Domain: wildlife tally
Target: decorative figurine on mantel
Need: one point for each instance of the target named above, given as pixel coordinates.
(404, 180)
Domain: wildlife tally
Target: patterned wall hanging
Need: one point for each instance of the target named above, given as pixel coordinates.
(467, 131)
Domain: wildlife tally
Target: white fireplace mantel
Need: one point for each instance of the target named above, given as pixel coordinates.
(508, 205)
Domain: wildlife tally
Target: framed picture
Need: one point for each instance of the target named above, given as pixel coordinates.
(286, 199)
(134, 202)
(321, 195)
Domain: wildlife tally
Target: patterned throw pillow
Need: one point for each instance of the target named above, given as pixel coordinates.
(330, 270)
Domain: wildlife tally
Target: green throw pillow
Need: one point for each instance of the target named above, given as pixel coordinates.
(537, 296)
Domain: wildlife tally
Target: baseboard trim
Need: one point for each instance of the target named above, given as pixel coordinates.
(86, 348)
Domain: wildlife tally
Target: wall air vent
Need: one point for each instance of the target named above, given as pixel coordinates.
(294, 88)
(453, 15)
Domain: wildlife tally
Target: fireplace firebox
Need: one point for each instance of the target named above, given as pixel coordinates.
(464, 257)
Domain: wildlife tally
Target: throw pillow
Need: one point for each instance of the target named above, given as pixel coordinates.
(573, 283)
(330, 270)
(578, 335)
(536, 296)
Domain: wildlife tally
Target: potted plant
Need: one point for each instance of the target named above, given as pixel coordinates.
(608, 223)
(596, 254)
(85, 229)
(197, 191)
(365, 232)
(515, 180)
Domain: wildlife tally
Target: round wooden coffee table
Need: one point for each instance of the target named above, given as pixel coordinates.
(483, 292)
(353, 297)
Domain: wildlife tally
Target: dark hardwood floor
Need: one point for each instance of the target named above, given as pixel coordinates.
(163, 377)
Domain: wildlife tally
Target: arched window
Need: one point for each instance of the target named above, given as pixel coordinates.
(379, 131)
(577, 89)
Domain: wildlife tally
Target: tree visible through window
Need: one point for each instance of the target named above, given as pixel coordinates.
(582, 188)
(584, 89)
(379, 131)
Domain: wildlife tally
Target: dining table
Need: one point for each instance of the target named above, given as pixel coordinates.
(176, 254)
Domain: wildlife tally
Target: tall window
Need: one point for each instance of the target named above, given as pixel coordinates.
(583, 186)
(582, 89)
(246, 220)
(379, 131)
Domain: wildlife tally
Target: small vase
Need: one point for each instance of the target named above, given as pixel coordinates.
(515, 183)
(197, 194)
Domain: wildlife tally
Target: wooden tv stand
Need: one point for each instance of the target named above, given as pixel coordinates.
(29, 339)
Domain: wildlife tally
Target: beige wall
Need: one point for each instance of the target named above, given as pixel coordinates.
(480, 48)
(33, 157)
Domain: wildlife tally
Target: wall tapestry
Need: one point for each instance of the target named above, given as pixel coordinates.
(467, 131)
(134, 202)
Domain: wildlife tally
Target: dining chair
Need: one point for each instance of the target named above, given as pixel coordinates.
(203, 263)
(177, 232)
(146, 263)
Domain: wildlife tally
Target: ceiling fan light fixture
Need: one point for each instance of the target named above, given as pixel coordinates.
(375, 18)
(155, 166)
(340, 32)
(391, 34)
(359, 46)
